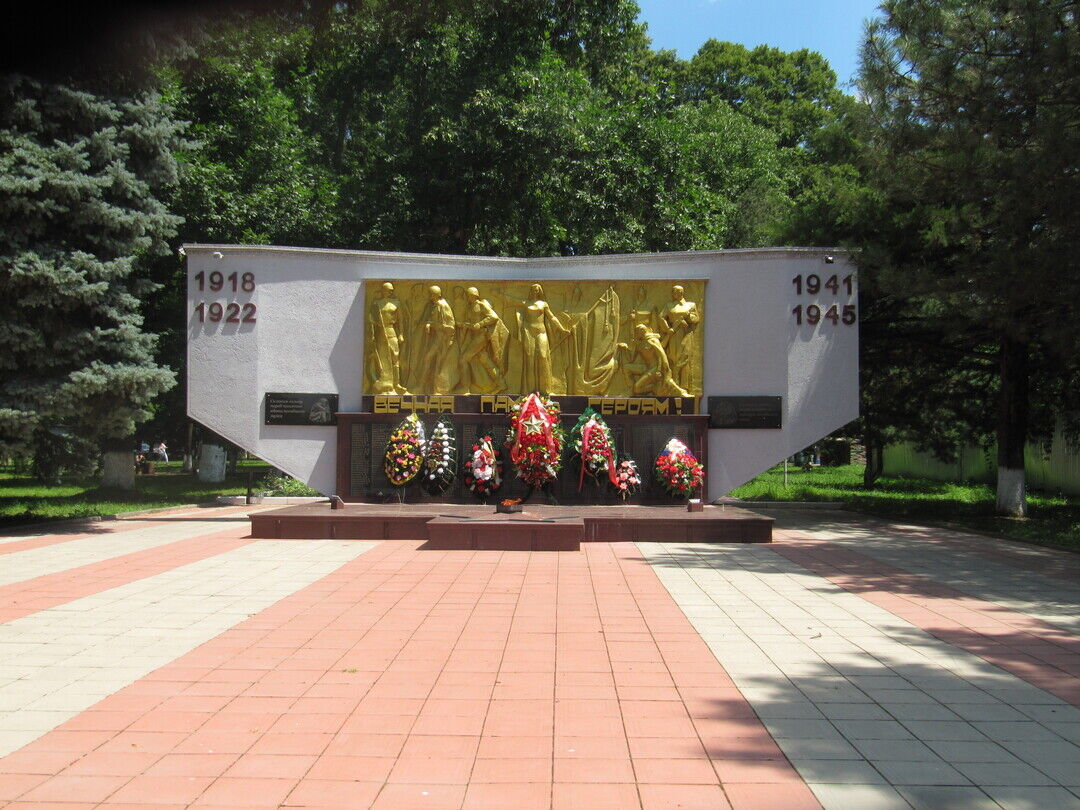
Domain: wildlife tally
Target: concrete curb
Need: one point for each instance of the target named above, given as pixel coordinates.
(103, 518)
(785, 504)
(241, 500)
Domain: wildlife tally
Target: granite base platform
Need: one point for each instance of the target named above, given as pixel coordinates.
(537, 528)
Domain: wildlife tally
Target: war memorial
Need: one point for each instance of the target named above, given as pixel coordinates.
(595, 398)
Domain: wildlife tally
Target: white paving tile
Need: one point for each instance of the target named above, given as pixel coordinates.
(858, 797)
(69, 657)
(882, 702)
(1050, 599)
(93, 527)
(35, 562)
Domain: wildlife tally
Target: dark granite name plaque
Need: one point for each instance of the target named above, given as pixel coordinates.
(312, 410)
(745, 413)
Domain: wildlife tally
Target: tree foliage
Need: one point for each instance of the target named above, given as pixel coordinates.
(534, 128)
(79, 174)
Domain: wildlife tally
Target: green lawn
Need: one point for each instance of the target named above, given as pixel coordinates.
(1054, 519)
(23, 500)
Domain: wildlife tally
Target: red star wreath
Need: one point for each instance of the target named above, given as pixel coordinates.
(536, 440)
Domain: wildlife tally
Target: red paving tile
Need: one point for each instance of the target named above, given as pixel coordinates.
(594, 797)
(420, 797)
(790, 796)
(683, 797)
(523, 796)
(330, 793)
(413, 678)
(1031, 649)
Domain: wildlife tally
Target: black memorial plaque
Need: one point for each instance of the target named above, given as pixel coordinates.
(745, 413)
(312, 410)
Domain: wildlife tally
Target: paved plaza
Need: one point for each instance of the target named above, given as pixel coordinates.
(170, 660)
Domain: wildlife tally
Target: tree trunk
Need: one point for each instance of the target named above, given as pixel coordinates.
(1012, 428)
(118, 469)
(189, 457)
(875, 463)
(211, 463)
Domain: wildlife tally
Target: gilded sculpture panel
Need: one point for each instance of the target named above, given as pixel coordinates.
(575, 338)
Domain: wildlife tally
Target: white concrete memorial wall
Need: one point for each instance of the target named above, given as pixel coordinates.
(281, 319)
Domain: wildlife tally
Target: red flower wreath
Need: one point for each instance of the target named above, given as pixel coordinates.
(678, 471)
(483, 472)
(595, 445)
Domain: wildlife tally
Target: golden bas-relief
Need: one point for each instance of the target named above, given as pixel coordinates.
(575, 338)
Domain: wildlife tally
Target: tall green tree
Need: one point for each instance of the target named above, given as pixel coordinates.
(531, 128)
(976, 107)
(791, 93)
(80, 179)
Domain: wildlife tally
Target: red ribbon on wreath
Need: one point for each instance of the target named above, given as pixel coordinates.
(533, 409)
(586, 433)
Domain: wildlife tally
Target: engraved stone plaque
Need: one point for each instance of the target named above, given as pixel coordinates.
(360, 460)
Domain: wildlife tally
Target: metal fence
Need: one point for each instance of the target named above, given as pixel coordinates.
(1053, 469)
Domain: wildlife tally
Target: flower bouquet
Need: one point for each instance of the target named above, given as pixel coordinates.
(678, 471)
(440, 460)
(483, 472)
(535, 440)
(405, 451)
(627, 479)
(595, 445)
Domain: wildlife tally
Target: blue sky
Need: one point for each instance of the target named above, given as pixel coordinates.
(831, 27)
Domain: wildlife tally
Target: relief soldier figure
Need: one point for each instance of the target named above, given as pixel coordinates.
(536, 322)
(678, 323)
(652, 375)
(386, 340)
(436, 365)
(483, 349)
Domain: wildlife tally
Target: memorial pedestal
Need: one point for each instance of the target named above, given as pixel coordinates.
(539, 528)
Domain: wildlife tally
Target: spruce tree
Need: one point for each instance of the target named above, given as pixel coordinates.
(80, 176)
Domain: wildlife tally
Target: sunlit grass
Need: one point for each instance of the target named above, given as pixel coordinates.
(1054, 519)
(23, 500)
